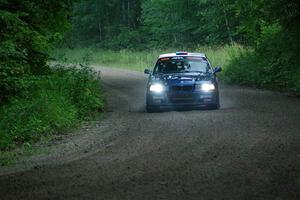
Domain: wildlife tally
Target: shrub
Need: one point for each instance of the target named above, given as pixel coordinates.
(51, 104)
(266, 66)
(81, 87)
(28, 119)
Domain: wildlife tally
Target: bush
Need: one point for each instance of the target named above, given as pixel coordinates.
(26, 35)
(81, 87)
(27, 120)
(265, 66)
(51, 104)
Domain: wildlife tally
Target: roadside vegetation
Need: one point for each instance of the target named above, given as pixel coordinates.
(51, 104)
(37, 100)
(138, 60)
(274, 63)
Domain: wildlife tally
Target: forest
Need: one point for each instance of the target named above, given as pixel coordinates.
(50, 100)
(138, 24)
(268, 31)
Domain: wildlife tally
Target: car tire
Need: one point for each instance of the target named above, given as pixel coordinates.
(152, 109)
(215, 107)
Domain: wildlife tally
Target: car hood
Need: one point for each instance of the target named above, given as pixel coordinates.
(182, 78)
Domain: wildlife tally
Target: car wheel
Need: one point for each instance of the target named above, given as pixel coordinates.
(152, 109)
(215, 107)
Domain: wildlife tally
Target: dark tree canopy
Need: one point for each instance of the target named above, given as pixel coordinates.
(133, 23)
(28, 28)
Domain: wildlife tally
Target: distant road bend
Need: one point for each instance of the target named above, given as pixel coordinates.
(249, 149)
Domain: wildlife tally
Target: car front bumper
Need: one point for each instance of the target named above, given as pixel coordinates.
(183, 99)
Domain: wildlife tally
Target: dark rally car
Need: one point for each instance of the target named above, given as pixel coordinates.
(182, 79)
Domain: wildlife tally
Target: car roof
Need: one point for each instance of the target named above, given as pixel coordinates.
(182, 55)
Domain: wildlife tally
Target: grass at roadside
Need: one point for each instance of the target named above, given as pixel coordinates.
(53, 103)
(219, 56)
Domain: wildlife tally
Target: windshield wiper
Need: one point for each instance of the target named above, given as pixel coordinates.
(200, 72)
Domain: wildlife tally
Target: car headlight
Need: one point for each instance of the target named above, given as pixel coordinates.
(206, 87)
(158, 88)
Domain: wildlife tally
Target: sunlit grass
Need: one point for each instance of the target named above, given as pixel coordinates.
(221, 56)
(138, 61)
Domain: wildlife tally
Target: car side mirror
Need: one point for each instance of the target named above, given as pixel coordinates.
(217, 69)
(147, 71)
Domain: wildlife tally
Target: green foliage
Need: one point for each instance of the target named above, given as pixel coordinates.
(28, 28)
(270, 67)
(127, 39)
(103, 20)
(136, 24)
(26, 120)
(275, 61)
(53, 103)
(12, 60)
(82, 88)
(34, 99)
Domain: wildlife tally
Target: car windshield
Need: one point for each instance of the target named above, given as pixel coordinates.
(182, 65)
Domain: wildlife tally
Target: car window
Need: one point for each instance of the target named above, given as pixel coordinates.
(182, 65)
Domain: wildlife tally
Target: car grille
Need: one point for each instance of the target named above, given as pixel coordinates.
(181, 98)
(182, 88)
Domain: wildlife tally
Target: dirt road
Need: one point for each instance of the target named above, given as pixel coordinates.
(249, 149)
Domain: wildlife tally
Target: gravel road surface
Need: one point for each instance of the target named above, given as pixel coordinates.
(249, 149)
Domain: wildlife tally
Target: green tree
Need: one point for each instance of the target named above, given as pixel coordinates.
(27, 30)
(98, 21)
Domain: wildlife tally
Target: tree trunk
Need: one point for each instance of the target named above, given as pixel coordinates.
(128, 13)
(100, 31)
(123, 13)
(226, 22)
